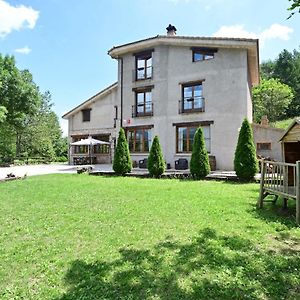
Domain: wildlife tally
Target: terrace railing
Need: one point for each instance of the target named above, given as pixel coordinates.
(280, 179)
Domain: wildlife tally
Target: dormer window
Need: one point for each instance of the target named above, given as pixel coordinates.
(143, 65)
(200, 54)
(86, 115)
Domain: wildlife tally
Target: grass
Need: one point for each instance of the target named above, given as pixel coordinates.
(284, 124)
(85, 237)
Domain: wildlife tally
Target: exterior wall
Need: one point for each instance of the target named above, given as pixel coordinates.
(225, 89)
(101, 122)
(266, 134)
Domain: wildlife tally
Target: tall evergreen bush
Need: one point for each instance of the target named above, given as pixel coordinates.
(199, 165)
(122, 161)
(245, 161)
(156, 164)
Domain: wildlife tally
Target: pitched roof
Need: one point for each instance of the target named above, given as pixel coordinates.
(295, 121)
(88, 101)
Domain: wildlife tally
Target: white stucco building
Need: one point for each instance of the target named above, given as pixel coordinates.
(168, 86)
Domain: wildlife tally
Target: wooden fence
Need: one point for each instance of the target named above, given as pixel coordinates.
(280, 179)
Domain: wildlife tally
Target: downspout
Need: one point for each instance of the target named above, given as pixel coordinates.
(121, 90)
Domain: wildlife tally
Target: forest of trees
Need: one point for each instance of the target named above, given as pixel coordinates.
(278, 94)
(29, 128)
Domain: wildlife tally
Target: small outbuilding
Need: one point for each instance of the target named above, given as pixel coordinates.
(290, 143)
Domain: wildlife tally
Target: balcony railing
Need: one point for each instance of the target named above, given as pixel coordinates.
(142, 73)
(191, 105)
(142, 110)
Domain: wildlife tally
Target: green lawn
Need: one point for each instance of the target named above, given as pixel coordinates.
(85, 237)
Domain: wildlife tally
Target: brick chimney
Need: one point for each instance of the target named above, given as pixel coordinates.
(264, 121)
(171, 30)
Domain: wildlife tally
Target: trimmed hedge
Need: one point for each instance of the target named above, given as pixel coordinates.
(199, 165)
(245, 161)
(156, 164)
(122, 161)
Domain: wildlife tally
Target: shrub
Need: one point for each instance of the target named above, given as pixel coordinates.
(122, 161)
(61, 159)
(245, 162)
(156, 164)
(199, 165)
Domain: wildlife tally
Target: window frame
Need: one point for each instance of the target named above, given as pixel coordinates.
(144, 104)
(183, 98)
(86, 115)
(205, 52)
(144, 56)
(134, 130)
(260, 146)
(188, 127)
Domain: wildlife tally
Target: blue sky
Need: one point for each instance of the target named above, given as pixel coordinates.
(64, 43)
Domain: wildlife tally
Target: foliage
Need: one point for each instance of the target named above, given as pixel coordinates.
(29, 127)
(284, 124)
(199, 165)
(245, 161)
(295, 6)
(125, 238)
(122, 161)
(271, 98)
(286, 68)
(156, 164)
(3, 112)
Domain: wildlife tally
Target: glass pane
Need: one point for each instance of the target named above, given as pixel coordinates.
(140, 63)
(187, 104)
(140, 98)
(198, 102)
(192, 131)
(198, 90)
(208, 56)
(198, 56)
(130, 140)
(182, 139)
(138, 140)
(149, 62)
(188, 92)
(147, 140)
(206, 132)
(148, 96)
(148, 107)
(141, 74)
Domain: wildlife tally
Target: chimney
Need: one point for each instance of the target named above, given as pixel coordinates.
(171, 30)
(264, 121)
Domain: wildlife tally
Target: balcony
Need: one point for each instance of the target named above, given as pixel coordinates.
(142, 110)
(191, 105)
(142, 73)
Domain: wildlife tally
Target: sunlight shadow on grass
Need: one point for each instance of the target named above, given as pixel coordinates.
(210, 266)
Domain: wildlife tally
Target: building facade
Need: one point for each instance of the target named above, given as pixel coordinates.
(169, 86)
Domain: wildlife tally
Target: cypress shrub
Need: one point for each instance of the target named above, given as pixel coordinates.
(199, 165)
(156, 164)
(122, 161)
(245, 161)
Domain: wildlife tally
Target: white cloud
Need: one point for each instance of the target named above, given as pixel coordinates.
(275, 31)
(24, 50)
(16, 17)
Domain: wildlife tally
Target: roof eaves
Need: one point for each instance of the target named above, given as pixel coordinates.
(69, 113)
(295, 121)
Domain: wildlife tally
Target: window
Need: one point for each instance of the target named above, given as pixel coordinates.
(139, 139)
(143, 103)
(185, 138)
(263, 146)
(192, 99)
(116, 116)
(143, 66)
(200, 54)
(86, 115)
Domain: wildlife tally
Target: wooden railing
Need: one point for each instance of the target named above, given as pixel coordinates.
(280, 179)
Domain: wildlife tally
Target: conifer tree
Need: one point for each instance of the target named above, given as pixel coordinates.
(245, 161)
(156, 164)
(122, 161)
(199, 165)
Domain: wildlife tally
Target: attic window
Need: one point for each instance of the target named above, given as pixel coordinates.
(86, 115)
(200, 54)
